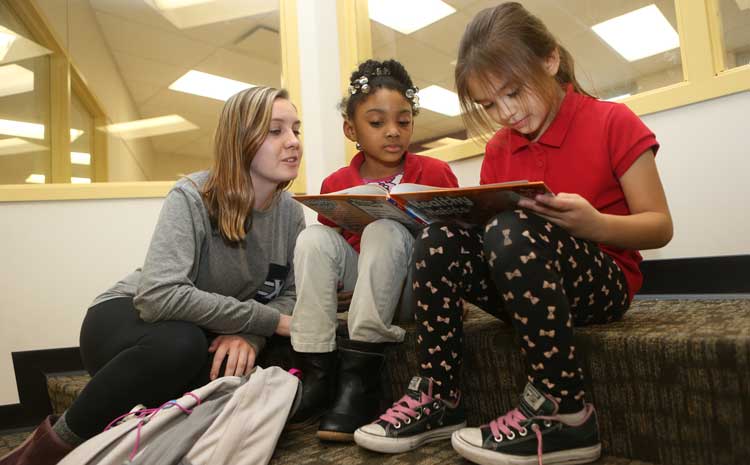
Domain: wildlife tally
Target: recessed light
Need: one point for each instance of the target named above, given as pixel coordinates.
(74, 180)
(191, 13)
(15, 79)
(36, 179)
(410, 15)
(208, 85)
(150, 127)
(440, 100)
(639, 34)
(80, 158)
(75, 134)
(22, 129)
(6, 42)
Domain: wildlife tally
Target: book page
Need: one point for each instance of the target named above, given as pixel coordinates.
(339, 211)
(410, 187)
(385, 210)
(364, 189)
(468, 205)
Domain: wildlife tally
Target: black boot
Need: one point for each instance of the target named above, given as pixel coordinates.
(318, 378)
(358, 390)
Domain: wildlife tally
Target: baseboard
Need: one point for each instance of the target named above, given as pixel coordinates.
(31, 368)
(700, 275)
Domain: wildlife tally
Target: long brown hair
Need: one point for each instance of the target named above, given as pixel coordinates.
(243, 126)
(509, 43)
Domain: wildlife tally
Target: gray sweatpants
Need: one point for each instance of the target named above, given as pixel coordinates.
(323, 259)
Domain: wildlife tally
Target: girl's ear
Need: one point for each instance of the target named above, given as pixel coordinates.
(349, 130)
(552, 62)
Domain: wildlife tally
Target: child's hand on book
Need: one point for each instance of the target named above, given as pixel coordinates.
(569, 211)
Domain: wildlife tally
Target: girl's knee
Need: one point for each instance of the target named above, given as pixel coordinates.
(316, 237)
(182, 344)
(386, 232)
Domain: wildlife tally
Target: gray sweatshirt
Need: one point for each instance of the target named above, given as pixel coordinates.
(191, 274)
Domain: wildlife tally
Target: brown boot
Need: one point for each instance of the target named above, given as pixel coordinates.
(42, 447)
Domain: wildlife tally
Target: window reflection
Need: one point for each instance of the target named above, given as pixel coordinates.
(735, 25)
(429, 53)
(24, 104)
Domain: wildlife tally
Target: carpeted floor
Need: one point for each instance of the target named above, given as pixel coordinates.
(291, 445)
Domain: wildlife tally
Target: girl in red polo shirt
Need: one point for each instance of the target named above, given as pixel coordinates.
(378, 115)
(559, 262)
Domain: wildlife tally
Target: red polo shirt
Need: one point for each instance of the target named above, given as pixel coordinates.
(586, 149)
(418, 169)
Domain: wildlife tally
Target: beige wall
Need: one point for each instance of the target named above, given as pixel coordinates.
(79, 32)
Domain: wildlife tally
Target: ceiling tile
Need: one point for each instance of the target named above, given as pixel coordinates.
(151, 43)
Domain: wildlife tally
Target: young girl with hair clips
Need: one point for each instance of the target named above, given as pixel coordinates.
(558, 262)
(378, 115)
(217, 278)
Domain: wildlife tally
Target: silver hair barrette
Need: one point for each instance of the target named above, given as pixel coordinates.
(361, 84)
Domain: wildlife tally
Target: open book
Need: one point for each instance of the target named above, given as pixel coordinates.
(415, 205)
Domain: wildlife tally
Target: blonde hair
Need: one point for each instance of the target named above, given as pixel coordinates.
(243, 126)
(507, 42)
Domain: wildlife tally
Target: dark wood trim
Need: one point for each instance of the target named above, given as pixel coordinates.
(700, 275)
(31, 368)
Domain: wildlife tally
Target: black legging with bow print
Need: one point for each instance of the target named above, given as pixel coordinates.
(526, 271)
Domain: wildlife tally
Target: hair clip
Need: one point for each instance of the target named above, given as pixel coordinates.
(361, 84)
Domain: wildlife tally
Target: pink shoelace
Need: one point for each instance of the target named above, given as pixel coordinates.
(147, 414)
(513, 419)
(405, 409)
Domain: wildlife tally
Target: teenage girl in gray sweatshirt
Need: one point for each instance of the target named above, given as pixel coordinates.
(216, 281)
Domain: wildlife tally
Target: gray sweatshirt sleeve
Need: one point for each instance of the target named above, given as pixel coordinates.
(167, 291)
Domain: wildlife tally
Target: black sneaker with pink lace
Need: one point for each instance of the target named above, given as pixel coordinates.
(416, 419)
(532, 434)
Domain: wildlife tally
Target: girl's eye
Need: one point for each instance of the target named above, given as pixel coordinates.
(296, 132)
(487, 105)
(405, 123)
(275, 132)
(376, 124)
(513, 93)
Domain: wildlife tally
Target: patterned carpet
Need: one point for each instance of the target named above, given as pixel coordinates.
(670, 383)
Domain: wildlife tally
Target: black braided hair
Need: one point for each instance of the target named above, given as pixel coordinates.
(397, 79)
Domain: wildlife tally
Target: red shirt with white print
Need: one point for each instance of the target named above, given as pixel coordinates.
(585, 150)
(418, 169)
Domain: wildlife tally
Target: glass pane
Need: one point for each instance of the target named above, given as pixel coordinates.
(24, 104)
(81, 137)
(134, 53)
(429, 53)
(735, 24)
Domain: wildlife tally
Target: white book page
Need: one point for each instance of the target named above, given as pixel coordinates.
(408, 187)
(365, 189)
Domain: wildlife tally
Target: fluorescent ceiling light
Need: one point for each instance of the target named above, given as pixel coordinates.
(208, 85)
(15, 48)
(639, 34)
(6, 42)
(35, 179)
(74, 180)
(75, 134)
(439, 100)
(407, 16)
(80, 158)
(21, 129)
(190, 13)
(150, 127)
(15, 79)
(618, 97)
(442, 142)
(16, 146)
